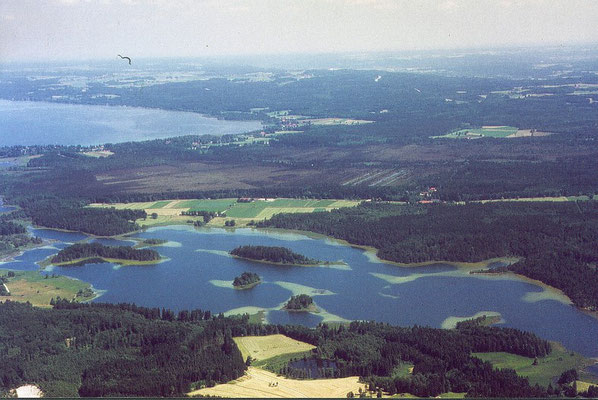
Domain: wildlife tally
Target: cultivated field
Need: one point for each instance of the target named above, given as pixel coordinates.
(169, 211)
(264, 347)
(257, 383)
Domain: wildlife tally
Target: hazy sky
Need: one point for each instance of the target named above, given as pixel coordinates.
(68, 29)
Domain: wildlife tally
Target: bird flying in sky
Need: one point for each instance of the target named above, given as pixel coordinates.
(125, 58)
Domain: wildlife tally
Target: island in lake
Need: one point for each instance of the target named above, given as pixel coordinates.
(301, 303)
(246, 280)
(83, 253)
(273, 255)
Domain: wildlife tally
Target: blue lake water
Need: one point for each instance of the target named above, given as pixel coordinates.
(31, 123)
(197, 262)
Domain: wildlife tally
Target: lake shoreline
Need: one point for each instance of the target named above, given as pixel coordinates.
(144, 123)
(372, 251)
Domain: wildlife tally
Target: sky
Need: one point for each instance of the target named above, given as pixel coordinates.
(98, 29)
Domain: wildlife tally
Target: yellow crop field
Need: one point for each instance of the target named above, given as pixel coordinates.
(257, 383)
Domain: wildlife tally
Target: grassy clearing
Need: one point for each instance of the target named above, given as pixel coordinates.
(264, 347)
(549, 367)
(402, 370)
(33, 287)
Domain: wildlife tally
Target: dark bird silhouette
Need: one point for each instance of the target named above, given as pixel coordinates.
(125, 58)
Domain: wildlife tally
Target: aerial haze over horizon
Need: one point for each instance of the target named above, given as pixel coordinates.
(86, 29)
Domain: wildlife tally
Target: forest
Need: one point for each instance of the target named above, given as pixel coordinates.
(107, 344)
(65, 213)
(98, 250)
(273, 254)
(110, 350)
(557, 242)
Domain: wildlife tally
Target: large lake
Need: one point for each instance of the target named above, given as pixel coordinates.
(198, 274)
(31, 123)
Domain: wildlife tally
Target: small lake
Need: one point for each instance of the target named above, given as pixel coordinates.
(198, 274)
(38, 123)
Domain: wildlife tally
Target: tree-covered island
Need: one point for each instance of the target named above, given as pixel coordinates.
(79, 253)
(246, 280)
(301, 302)
(273, 255)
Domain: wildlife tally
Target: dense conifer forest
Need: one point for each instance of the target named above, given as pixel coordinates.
(98, 250)
(272, 254)
(557, 242)
(98, 350)
(66, 213)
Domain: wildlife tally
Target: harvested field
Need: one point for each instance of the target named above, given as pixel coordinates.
(257, 383)
(264, 347)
